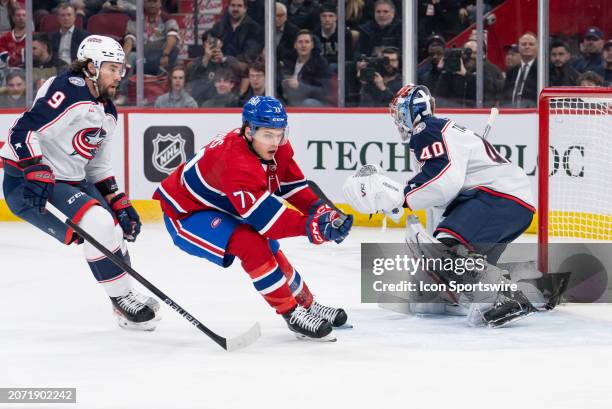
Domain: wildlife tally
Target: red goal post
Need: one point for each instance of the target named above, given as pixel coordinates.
(575, 137)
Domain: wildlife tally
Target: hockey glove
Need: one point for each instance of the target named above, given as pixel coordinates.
(319, 207)
(127, 216)
(370, 191)
(328, 225)
(39, 182)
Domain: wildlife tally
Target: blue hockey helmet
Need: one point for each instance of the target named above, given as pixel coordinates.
(410, 105)
(266, 112)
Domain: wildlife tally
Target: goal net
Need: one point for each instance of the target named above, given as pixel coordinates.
(575, 166)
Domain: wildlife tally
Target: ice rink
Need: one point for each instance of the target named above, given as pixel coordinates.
(57, 330)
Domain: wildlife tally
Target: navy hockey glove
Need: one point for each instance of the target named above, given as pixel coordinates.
(328, 225)
(38, 185)
(127, 216)
(319, 207)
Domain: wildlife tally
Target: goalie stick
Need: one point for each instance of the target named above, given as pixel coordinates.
(229, 344)
(492, 117)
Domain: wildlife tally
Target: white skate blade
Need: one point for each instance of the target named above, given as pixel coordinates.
(511, 321)
(327, 338)
(135, 326)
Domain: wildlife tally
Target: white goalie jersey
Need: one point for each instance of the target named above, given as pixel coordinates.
(69, 128)
(454, 160)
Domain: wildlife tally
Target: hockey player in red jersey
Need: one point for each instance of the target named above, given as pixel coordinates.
(224, 203)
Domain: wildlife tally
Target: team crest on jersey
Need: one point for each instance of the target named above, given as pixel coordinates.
(419, 128)
(78, 81)
(86, 142)
(168, 152)
(215, 222)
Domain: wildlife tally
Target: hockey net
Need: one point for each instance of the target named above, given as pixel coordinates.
(575, 166)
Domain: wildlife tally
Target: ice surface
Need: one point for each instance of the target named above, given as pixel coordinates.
(56, 329)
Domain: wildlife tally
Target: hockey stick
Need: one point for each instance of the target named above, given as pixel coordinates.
(229, 344)
(492, 117)
(317, 191)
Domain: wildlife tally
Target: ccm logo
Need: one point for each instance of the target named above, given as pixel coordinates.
(72, 199)
(316, 234)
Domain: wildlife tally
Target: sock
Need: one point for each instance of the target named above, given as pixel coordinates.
(257, 260)
(298, 287)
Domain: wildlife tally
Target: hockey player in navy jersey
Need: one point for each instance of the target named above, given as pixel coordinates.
(225, 203)
(60, 151)
(485, 199)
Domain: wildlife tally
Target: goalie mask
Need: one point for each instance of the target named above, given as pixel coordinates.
(410, 105)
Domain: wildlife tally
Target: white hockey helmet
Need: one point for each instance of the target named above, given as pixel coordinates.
(100, 49)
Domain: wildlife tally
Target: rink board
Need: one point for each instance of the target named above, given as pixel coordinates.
(329, 145)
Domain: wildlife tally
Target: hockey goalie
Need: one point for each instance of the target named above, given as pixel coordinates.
(485, 201)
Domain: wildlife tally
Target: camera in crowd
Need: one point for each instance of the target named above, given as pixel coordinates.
(374, 65)
(453, 57)
(212, 41)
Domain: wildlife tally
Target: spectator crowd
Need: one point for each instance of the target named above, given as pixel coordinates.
(227, 67)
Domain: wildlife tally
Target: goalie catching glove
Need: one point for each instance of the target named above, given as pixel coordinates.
(370, 191)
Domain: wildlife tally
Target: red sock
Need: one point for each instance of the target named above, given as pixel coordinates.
(298, 286)
(257, 260)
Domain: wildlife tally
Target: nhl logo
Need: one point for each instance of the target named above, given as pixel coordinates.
(164, 149)
(168, 152)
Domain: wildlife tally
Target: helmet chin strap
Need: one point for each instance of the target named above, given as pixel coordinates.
(93, 78)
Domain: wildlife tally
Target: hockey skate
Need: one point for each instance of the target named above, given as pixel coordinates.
(509, 307)
(150, 302)
(335, 316)
(308, 326)
(135, 311)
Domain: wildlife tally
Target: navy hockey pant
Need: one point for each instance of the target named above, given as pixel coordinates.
(72, 199)
(485, 222)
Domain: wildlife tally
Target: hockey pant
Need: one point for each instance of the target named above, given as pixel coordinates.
(485, 222)
(85, 206)
(220, 238)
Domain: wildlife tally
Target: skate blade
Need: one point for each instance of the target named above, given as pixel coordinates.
(344, 326)
(135, 326)
(327, 338)
(510, 321)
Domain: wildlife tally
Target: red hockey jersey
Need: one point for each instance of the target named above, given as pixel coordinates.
(227, 176)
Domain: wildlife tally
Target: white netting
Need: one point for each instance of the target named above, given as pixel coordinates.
(580, 165)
